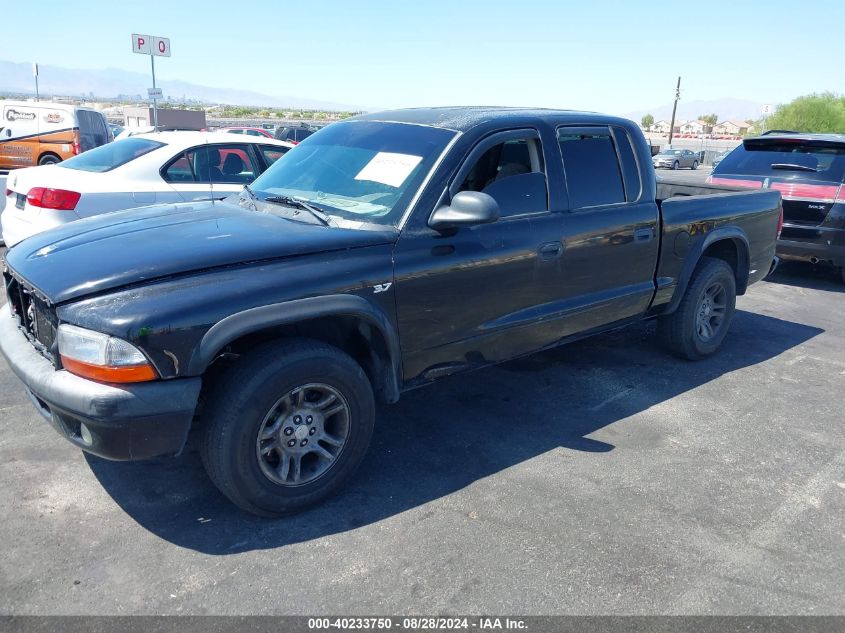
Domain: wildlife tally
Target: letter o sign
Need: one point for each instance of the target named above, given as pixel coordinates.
(161, 46)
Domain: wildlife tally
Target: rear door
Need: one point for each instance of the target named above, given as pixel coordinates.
(609, 230)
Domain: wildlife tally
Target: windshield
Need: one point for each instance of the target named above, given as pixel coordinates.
(357, 170)
(107, 157)
(671, 152)
(786, 159)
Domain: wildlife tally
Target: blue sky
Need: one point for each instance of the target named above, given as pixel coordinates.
(605, 55)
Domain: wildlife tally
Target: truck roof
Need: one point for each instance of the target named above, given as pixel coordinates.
(462, 118)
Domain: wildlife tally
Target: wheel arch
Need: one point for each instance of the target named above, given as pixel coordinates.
(348, 322)
(48, 153)
(726, 243)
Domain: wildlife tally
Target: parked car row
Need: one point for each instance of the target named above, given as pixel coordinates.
(291, 133)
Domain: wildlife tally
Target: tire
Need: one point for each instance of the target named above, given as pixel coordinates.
(49, 159)
(681, 332)
(676, 165)
(260, 393)
(694, 165)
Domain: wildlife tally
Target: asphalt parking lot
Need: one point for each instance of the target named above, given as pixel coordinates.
(604, 477)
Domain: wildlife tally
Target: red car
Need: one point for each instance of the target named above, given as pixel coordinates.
(252, 131)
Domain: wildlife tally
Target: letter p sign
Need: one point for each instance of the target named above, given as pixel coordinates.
(141, 44)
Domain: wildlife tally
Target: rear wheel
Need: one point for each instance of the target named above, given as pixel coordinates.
(676, 165)
(694, 164)
(49, 159)
(701, 322)
(287, 426)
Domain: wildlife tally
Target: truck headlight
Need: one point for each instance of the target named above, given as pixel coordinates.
(102, 357)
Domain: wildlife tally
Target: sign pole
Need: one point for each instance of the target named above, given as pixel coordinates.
(155, 101)
(35, 74)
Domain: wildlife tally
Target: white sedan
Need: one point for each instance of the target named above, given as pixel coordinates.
(138, 171)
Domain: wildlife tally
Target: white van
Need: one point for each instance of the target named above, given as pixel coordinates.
(44, 133)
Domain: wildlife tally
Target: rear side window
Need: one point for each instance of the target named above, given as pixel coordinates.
(630, 171)
(272, 153)
(786, 158)
(111, 155)
(593, 176)
(224, 164)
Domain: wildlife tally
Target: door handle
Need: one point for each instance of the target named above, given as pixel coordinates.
(550, 250)
(643, 235)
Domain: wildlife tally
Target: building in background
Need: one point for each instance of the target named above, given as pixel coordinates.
(168, 119)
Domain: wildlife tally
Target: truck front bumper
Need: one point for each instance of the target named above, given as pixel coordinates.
(120, 422)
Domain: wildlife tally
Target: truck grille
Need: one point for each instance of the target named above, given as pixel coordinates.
(34, 316)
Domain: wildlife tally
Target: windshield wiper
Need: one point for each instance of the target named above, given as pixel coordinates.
(250, 192)
(793, 167)
(300, 204)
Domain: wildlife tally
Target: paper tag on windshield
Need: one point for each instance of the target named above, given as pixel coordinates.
(389, 168)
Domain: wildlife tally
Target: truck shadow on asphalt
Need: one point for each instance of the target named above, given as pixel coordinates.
(441, 438)
(806, 275)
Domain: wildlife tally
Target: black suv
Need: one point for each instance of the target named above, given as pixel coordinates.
(293, 134)
(809, 171)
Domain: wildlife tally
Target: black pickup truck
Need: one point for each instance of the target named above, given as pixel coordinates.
(380, 254)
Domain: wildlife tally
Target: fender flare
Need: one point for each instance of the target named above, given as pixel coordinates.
(732, 233)
(289, 312)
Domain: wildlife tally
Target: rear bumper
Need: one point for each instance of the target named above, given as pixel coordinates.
(828, 248)
(120, 422)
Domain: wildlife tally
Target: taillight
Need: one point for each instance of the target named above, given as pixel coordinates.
(780, 223)
(76, 149)
(734, 182)
(840, 197)
(9, 192)
(58, 199)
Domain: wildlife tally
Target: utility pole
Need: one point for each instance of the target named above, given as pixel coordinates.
(674, 109)
(35, 74)
(155, 100)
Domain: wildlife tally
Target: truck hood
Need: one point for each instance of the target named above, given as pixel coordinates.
(138, 245)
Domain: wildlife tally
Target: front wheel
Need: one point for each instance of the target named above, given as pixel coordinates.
(702, 320)
(287, 426)
(676, 165)
(694, 164)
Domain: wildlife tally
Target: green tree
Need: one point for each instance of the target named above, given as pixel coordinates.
(819, 112)
(709, 119)
(647, 121)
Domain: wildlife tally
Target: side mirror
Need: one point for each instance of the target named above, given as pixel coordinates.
(467, 208)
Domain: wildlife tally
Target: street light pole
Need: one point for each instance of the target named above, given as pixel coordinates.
(674, 109)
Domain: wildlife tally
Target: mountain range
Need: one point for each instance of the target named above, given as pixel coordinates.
(726, 109)
(110, 83)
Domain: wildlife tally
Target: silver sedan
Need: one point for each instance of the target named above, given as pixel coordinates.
(675, 159)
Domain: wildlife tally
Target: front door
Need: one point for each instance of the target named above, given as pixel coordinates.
(469, 296)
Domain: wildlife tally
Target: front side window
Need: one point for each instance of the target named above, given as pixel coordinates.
(593, 176)
(513, 173)
(111, 155)
(223, 164)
